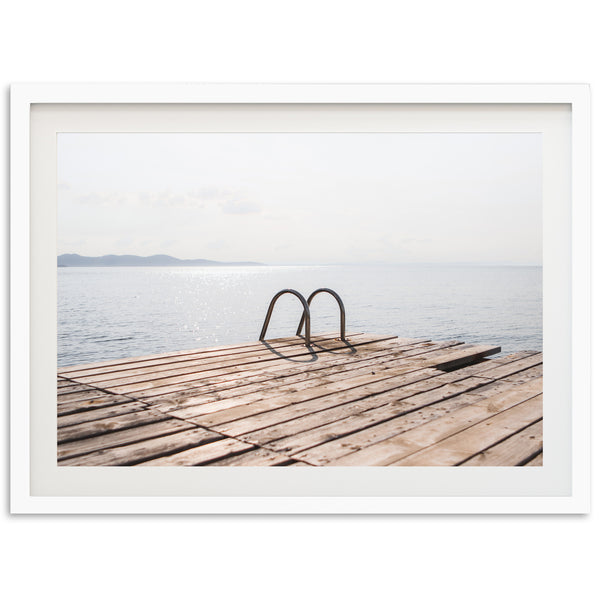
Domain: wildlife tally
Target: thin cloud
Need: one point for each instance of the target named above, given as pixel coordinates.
(239, 207)
(96, 199)
(199, 198)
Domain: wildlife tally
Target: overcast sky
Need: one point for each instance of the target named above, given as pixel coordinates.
(291, 198)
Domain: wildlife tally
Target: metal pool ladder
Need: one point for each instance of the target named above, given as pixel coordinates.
(305, 319)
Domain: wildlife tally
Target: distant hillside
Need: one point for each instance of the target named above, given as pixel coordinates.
(130, 260)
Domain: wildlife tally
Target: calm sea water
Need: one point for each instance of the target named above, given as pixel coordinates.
(106, 313)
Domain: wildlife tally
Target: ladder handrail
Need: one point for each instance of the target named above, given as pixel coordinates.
(342, 311)
(305, 314)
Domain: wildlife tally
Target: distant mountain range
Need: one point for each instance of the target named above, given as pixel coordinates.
(130, 260)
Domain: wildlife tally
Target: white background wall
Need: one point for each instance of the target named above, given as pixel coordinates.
(462, 41)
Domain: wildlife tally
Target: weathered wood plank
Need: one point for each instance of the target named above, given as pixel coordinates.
(85, 430)
(201, 455)
(266, 359)
(253, 458)
(121, 438)
(340, 368)
(188, 361)
(63, 382)
(259, 414)
(420, 388)
(354, 432)
(536, 461)
(68, 408)
(250, 412)
(467, 354)
(71, 387)
(240, 375)
(283, 404)
(526, 375)
(515, 450)
(254, 418)
(511, 361)
(389, 420)
(228, 390)
(212, 378)
(100, 413)
(400, 446)
(160, 358)
(263, 400)
(456, 448)
(142, 451)
(327, 409)
(276, 373)
(260, 354)
(87, 394)
(514, 368)
(377, 408)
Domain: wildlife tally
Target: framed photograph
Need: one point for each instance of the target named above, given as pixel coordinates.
(388, 285)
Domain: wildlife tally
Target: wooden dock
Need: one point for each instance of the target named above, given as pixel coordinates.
(370, 400)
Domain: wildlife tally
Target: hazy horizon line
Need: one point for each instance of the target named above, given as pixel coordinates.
(331, 263)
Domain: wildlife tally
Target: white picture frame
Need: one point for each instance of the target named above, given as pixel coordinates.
(39, 111)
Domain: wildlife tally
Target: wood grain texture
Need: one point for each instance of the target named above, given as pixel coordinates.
(123, 437)
(142, 451)
(432, 433)
(171, 357)
(201, 454)
(371, 400)
(460, 446)
(518, 449)
(536, 461)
